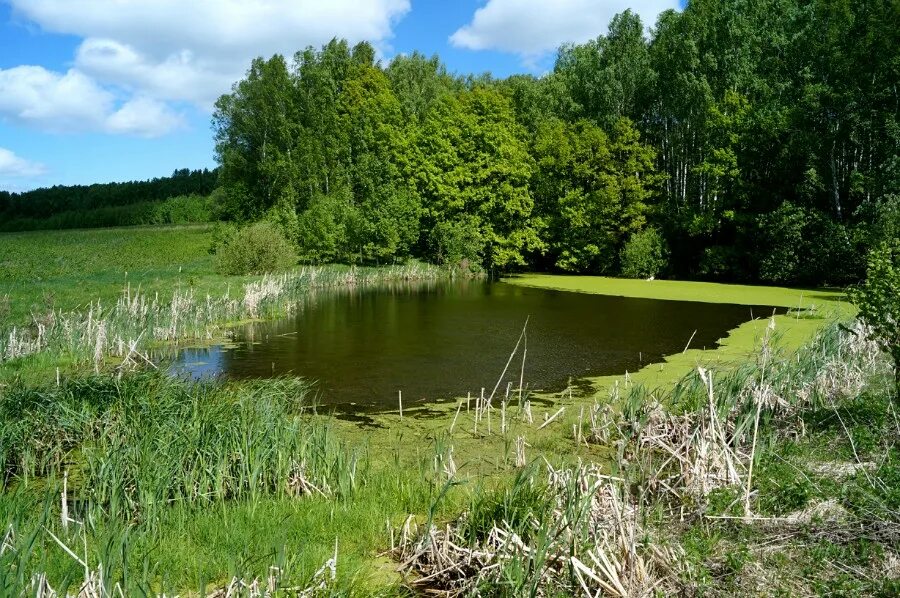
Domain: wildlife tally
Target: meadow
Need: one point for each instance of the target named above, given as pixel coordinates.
(48, 270)
(767, 465)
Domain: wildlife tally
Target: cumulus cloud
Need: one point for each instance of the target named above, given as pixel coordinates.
(12, 165)
(74, 102)
(531, 28)
(178, 50)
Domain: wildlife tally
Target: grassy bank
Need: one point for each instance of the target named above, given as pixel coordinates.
(687, 488)
(154, 485)
(66, 270)
(101, 298)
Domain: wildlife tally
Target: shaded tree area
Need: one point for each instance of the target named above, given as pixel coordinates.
(67, 206)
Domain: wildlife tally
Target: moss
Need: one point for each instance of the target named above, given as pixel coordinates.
(810, 311)
(680, 290)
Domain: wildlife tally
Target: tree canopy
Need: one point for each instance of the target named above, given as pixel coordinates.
(749, 140)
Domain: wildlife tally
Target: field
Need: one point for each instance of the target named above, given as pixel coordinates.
(767, 465)
(66, 270)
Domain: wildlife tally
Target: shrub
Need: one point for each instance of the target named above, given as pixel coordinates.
(878, 300)
(805, 246)
(326, 230)
(644, 255)
(456, 243)
(255, 249)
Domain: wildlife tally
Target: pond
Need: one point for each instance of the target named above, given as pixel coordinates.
(438, 340)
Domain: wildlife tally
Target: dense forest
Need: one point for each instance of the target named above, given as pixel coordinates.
(108, 204)
(739, 140)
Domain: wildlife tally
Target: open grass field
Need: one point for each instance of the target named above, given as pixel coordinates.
(68, 269)
(679, 478)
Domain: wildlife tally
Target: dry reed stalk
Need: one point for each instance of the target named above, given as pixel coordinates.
(520, 451)
(598, 546)
(508, 361)
(455, 417)
(64, 502)
(526, 411)
(548, 421)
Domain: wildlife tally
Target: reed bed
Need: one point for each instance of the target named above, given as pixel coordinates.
(576, 533)
(706, 434)
(614, 528)
(125, 329)
(140, 443)
(106, 460)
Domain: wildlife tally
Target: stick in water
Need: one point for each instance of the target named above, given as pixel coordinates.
(509, 361)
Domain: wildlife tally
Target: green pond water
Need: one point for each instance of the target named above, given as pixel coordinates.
(438, 340)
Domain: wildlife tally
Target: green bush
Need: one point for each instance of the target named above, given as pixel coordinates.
(327, 228)
(644, 255)
(878, 300)
(805, 246)
(457, 243)
(255, 249)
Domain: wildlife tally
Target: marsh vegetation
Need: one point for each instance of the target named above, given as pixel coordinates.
(120, 478)
(596, 436)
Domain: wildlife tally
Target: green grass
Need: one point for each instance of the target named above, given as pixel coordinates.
(182, 486)
(680, 290)
(70, 299)
(65, 270)
(201, 481)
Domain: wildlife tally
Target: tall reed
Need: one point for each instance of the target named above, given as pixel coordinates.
(138, 320)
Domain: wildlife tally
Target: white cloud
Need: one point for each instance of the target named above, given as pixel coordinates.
(33, 95)
(180, 76)
(143, 116)
(194, 50)
(12, 165)
(73, 102)
(531, 28)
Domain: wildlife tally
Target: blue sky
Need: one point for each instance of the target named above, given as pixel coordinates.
(97, 91)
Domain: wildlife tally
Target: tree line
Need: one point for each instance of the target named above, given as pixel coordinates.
(741, 140)
(63, 206)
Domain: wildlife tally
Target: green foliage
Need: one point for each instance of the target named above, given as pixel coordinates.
(517, 505)
(326, 229)
(878, 299)
(182, 209)
(644, 255)
(255, 249)
(886, 221)
(593, 190)
(253, 131)
(805, 246)
(760, 136)
(469, 162)
(99, 205)
(456, 243)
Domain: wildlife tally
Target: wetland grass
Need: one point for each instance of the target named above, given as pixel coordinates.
(718, 465)
(123, 329)
(151, 485)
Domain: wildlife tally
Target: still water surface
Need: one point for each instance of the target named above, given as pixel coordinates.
(440, 340)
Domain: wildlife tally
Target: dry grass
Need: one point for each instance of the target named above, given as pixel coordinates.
(591, 542)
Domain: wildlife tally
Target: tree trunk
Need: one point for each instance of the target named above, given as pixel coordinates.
(835, 189)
